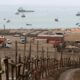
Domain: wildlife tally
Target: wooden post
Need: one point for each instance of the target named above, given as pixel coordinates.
(12, 69)
(6, 68)
(79, 61)
(29, 56)
(37, 52)
(37, 48)
(26, 74)
(16, 54)
(24, 67)
(47, 62)
(1, 71)
(16, 51)
(24, 49)
(43, 64)
(42, 53)
(19, 66)
(61, 59)
(24, 57)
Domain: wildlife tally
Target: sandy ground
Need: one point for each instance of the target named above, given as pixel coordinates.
(73, 74)
(52, 53)
(11, 51)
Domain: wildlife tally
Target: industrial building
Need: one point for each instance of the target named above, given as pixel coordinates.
(53, 39)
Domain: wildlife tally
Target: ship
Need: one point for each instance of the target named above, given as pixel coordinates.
(21, 10)
(77, 23)
(78, 14)
(17, 13)
(8, 21)
(56, 19)
(23, 16)
(29, 24)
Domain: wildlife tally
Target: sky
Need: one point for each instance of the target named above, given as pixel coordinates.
(41, 2)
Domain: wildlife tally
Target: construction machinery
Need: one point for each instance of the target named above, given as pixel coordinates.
(5, 42)
(2, 41)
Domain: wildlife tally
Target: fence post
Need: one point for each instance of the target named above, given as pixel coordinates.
(16, 54)
(61, 59)
(19, 67)
(6, 68)
(1, 71)
(47, 69)
(12, 69)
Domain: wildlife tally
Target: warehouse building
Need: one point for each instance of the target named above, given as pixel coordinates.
(53, 39)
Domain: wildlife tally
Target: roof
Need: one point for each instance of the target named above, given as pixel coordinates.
(73, 30)
(70, 46)
(50, 35)
(72, 37)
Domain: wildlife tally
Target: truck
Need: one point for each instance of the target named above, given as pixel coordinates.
(23, 39)
(5, 42)
(2, 41)
(8, 43)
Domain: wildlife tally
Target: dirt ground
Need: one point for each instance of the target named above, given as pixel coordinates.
(11, 51)
(52, 51)
(73, 74)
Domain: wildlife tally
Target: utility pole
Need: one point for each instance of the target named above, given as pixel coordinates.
(4, 28)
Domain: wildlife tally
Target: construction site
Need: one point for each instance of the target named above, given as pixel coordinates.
(39, 54)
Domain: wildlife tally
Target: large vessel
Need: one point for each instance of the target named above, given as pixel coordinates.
(23, 10)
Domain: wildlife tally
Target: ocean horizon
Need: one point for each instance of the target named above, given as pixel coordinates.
(42, 17)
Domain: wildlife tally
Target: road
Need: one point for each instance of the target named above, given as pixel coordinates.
(72, 74)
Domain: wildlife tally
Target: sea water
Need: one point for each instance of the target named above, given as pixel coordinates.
(42, 17)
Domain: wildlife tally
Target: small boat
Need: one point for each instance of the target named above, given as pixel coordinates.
(23, 16)
(28, 24)
(78, 14)
(17, 13)
(4, 19)
(77, 23)
(8, 21)
(56, 20)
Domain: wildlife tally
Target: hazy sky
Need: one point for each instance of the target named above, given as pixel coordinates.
(42, 2)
